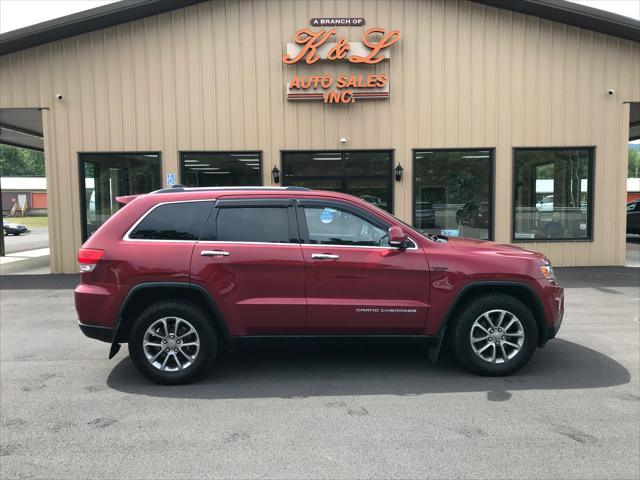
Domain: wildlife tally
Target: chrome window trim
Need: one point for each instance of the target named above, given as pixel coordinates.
(331, 245)
(319, 245)
(127, 238)
(221, 242)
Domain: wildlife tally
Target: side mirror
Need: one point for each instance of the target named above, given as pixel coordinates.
(397, 238)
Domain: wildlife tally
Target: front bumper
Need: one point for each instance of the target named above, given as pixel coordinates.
(554, 311)
(104, 334)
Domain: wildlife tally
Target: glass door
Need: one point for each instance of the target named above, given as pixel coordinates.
(105, 176)
(366, 174)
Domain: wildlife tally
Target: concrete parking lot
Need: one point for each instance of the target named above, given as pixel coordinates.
(323, 410)
(27, 253)
(34, 239)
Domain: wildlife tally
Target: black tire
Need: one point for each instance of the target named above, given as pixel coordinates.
(202, 324)
(460, 339)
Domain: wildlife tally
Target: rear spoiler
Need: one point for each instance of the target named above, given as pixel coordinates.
(126, 199)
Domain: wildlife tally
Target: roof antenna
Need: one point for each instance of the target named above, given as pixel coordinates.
(178, 185)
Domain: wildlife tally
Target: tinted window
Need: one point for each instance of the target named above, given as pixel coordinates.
(253, 224)
(453, 192)
(364, 174)
(221, 169)
(552, 193)
(173, 221)
(337, 227)
(105, 176)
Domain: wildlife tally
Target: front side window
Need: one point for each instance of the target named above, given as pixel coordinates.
(332, 226)
(253, 224)
(221, 169)
(453, 192)
(173, 221)
(552, 193)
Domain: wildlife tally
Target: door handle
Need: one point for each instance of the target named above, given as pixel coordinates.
(325, 256)
(214, 253)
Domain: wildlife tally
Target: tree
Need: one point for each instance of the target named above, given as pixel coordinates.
(20, 162)
(634, 163)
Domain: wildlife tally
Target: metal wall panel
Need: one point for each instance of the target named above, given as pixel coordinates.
(210, 77)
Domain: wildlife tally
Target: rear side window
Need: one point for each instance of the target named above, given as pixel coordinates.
(253, 224)
(173, 221)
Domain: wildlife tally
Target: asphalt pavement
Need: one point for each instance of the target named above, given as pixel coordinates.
(323, 410)
(36, 238)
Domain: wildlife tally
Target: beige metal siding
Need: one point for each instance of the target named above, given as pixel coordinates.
(210, 77)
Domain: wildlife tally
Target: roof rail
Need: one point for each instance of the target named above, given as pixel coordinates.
(181, 188)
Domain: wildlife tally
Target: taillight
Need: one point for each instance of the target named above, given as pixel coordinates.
(88, 258)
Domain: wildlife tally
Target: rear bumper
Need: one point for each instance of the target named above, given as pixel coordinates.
(104, 334)
(98, 303)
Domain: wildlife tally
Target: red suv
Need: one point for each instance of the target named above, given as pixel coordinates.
(178, 272)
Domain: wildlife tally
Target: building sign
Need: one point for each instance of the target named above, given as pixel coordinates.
(310, 47)
(337, 22)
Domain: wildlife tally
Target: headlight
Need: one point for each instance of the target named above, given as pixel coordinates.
(547, 271)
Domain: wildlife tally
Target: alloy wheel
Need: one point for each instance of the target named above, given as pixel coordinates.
(497, 336)
(171, 344)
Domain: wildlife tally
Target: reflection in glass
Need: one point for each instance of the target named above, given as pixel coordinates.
(364, 174)
(332, 226)
(106, 176)
(552, 193)
(453, 192)
(221, 169)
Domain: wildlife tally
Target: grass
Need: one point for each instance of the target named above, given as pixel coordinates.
(30, 222)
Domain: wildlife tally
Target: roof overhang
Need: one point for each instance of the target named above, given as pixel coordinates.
(573, 14)
(86, 21)
(21, 127)
(634, 121)
(128, 10)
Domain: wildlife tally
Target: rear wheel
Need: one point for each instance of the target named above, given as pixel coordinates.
(173, 342)
(494, 335)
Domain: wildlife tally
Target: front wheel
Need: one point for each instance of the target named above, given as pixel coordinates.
(494, 335)
(173, 342)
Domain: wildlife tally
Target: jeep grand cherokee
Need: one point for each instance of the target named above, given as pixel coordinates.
(179, 272)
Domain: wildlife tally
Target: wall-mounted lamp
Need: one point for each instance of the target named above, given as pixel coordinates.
(275, 175)
(399, 171)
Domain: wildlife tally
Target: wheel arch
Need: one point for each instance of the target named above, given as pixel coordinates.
(520, 290)
(145, 294)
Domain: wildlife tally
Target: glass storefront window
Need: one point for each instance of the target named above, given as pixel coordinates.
(364, 174)
(453, 192)
(105, 176)
(552, 193)
(221, 169)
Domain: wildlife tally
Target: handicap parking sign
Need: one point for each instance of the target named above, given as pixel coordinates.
(171, 179)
